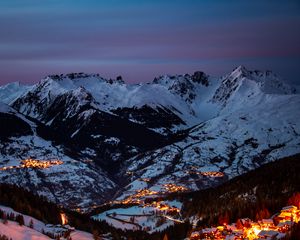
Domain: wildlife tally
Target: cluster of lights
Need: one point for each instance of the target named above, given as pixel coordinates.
(207, 174)
(140, 195)
(136, 198)
(162, 206)
(212, 174)
(252, 230)
(145, 179)
(195, 170)
(32, 163)
(79, 210)
(171, 188)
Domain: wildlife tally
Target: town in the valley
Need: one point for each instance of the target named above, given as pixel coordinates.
(276, 227)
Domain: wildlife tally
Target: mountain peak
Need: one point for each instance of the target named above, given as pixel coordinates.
(11, 91)
(81, 94)
(257, 75)
(197, 77)
(241, 68)
(84, 76)
(250, 82)
(239, 72)
(72, 76)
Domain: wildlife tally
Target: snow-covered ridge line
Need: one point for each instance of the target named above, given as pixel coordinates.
(11, 91)
(97, 127)
(194, 98)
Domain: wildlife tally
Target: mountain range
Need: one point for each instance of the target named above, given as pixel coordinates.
(81, 140)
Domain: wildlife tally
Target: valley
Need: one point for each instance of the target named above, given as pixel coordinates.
(127, 155)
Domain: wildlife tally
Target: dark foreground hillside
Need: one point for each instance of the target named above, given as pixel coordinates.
(257, 193)
(38, 207)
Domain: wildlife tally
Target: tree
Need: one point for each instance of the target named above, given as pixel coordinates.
(295, 232)
(31, 223)
(4, 218)
(132, 219)
(261, 214)
(224, 219)
(160, 221)
(20, 219)
(295, 200)
(4, 237)
(67, 234)
(11, 216)
(96, 234)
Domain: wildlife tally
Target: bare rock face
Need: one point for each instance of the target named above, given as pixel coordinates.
(200, 77)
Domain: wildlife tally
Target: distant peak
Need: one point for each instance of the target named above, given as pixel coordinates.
(81, 75)
(80, 89)
(267, 81)
(72, 76)
(13, 84)
(81, 94)
(241, 68)
(197, 77)
(240, 71)
(200, 77)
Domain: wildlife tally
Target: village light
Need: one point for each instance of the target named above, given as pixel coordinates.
(264, 229)
(64, 219)
(32, 163)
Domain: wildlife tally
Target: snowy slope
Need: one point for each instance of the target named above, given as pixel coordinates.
(77, 183)
(15, 231)
(176, 93)
(242, 88)
(145, 218)
(193, 98)
(257, 122)
(10, 92)
(4, 108)
(102, 129)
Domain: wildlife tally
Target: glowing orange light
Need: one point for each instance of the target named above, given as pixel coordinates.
(64, 219)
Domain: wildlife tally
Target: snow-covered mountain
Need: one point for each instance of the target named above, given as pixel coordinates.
(11, 91)
(172, 96)
(74, 183)
(178, 129)
(232, 143)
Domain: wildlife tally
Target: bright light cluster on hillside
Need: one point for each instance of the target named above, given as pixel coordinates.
(32, 163)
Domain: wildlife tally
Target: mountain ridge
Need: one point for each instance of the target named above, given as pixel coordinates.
(170, 130)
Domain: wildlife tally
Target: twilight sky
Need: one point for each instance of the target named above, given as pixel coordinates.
(141, 39)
